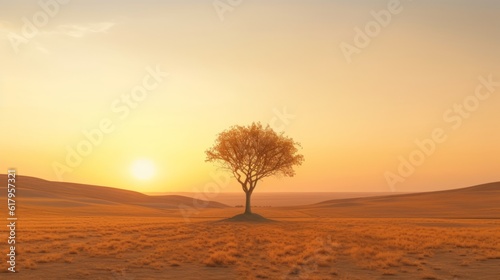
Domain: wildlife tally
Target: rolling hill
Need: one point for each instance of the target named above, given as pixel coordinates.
(482, 201)
(38, 195)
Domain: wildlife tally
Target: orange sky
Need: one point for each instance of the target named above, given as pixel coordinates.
(356, 115)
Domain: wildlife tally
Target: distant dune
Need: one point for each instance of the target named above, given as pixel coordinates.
(481, 201)
(34, 194)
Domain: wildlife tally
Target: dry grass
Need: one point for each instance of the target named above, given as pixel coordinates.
(314, 249)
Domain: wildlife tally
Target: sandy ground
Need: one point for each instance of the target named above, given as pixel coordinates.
(293, 247)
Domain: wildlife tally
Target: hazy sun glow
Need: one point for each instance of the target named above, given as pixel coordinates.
(86, 118)
(143, 169)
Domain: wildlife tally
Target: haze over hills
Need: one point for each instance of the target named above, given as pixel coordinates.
(280, 199)
(35, 193)
(40, 196)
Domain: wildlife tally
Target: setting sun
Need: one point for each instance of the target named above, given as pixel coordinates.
(143, 169)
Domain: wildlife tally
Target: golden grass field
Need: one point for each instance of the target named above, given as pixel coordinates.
(294, 248)
(122, 241)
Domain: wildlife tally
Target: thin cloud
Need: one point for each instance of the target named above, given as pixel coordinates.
(41, 48)
(8, 31)
(79, 31)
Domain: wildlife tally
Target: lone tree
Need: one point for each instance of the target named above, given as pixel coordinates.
(252, 153)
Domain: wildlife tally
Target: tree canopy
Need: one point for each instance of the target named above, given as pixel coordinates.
(254, 152)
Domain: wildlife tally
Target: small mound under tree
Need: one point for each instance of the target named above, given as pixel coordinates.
(254, 152)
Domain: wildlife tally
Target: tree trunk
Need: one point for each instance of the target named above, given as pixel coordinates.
(247, 205)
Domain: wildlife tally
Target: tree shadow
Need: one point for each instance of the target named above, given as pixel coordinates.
(249, 218)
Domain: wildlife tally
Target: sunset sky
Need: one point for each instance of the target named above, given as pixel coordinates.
(355, 116)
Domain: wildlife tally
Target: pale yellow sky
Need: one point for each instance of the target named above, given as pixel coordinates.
(354, 120)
